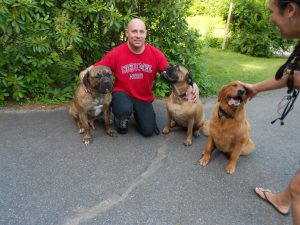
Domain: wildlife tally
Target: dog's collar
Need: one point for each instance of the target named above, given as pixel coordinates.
(222, 112)
(184, 96)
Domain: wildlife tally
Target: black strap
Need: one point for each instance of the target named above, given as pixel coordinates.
(222, 112)
(289, 106)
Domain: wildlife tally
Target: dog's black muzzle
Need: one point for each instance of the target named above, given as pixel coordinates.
(105, 85)
(170, 74)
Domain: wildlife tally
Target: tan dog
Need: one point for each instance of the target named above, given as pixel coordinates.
(229, 129)
(93, 104)
(181, 109)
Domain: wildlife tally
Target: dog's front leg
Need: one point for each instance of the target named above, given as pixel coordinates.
(234, 156)
(209, 148)
(87, 138)
(108, 127)
(167, 128)
(73, 112)
(189, 136)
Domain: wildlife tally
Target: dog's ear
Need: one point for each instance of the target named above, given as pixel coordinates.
(189, 78)
(86, 79)
(221, 93)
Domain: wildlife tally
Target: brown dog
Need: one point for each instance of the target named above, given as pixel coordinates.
(93, 104)
(229, 129)
(181, 109)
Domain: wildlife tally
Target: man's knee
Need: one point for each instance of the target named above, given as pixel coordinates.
(147, 133)
(146, 129)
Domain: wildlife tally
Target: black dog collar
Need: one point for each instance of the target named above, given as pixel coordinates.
(222, 112)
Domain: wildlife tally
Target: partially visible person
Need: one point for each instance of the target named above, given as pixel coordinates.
(135, 64)
(285, 14)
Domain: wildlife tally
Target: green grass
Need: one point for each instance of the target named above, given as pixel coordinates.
(225, 66)
(207, 25)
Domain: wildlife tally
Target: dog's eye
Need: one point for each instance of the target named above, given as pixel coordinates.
(97, 76)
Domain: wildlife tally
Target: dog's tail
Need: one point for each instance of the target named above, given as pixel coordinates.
(205, 128)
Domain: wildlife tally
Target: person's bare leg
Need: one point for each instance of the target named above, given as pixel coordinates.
(295, 198)
(281, 201)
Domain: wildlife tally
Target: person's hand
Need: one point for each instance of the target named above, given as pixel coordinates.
(82, 74)
(297, 79)
(250, 89)
(195, 92)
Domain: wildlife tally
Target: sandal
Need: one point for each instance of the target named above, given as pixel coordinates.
(265, 198)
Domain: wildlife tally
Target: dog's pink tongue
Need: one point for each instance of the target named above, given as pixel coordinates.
(233, 101)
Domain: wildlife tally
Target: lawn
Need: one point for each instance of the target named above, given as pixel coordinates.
(206, 25)
(225, 66)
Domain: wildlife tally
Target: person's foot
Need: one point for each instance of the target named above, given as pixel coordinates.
(123, 127)
(268, 196)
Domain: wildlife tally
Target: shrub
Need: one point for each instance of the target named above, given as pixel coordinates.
(45, 44)
(251, 32)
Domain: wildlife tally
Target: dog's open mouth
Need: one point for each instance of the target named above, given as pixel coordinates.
(235, 101)
(170, 74)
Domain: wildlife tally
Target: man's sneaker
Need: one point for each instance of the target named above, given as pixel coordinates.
(123, 127)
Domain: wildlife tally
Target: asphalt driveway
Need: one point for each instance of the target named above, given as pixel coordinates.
(48, 176)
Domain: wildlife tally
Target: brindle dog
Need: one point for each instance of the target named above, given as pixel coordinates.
(181, 109)
(93, 104)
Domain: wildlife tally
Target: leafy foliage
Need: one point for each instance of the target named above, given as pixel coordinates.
(252, 34)
(179, 44)
(44, 44)
(208, 7)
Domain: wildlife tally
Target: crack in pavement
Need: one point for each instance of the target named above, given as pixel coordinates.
(92, 212)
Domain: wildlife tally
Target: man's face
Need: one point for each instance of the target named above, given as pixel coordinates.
(136, 34)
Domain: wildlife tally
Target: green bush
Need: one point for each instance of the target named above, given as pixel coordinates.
(208, 7)
(180, 44)
(36, 47)
(45, 44)
(251, 32)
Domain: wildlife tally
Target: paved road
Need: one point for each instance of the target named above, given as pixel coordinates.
(48, 176)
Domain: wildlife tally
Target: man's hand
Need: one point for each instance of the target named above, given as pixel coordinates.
(195, 92)
(82, 74)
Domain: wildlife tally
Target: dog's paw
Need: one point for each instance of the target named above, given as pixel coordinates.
(87, 140)
(81, 131)
(204, 160)
(187, 142)
(166, 130)
(197, 133)
(173, 124)
(230, 169)
(112, 132)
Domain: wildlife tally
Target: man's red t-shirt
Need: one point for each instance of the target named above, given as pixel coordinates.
(135, 73)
